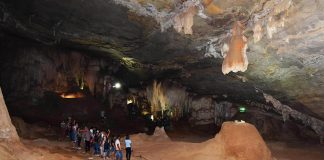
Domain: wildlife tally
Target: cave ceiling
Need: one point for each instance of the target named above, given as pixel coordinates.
(287, 61)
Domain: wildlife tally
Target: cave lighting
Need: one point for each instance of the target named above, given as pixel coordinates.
(145, 113)
(117, 85)
(129, 101)
(152, 117)
(242, 109)
(71, 95)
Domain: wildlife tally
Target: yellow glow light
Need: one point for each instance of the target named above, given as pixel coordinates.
(71, 95)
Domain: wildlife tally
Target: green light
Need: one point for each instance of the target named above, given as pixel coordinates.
(242, 109)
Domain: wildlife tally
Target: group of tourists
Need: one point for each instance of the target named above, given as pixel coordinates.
(101, 141)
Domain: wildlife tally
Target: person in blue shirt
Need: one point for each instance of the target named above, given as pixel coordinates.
(128, 144)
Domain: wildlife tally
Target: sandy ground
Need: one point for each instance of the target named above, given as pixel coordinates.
(160, 147)
(56, 149)
(296, 151)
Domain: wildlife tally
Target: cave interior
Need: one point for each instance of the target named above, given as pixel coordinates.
(186, 65)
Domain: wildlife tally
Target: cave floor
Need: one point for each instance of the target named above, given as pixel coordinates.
(280, 150)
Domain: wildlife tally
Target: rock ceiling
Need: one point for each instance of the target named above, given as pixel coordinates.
(285, 40)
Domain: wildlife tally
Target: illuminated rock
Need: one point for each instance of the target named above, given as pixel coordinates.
(158, 99)
(163, 96)
(7, 130)
(235, 59)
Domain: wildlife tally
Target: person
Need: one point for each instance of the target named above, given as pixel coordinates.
(128, 144)
(106, 145)
(74, 133)
(119, 153)
(63, 130)
(96, 143)
(79, 137)
(112, 144)
(68, 127)
(87, 138)
(71, 133)
(102, 141)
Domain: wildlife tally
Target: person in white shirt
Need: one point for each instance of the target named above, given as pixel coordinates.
(119, 153)
(128, 144)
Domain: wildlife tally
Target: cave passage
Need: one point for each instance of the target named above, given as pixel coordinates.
(162, 79)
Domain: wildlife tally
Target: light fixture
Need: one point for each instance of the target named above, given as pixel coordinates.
(152, 117)
(242, 109)
(129, 101)
(117, 85)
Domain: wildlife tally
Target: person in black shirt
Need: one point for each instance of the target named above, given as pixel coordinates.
(96, 143)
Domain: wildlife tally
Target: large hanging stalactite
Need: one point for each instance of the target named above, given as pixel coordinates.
(235, 58)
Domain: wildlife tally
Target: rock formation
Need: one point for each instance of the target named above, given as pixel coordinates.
(235, 58)
(286, 112)
(202, 111)
(242, 141)
(184, 21)
(7, 130)
(211, 8)
(235, 141)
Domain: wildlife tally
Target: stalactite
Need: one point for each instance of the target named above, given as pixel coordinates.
(167, 19)
(272, 15)
(164, 97)
(184, 21)
(257, 32)
(158, 99)
(273, 25)
(211, 8)
(235, 59)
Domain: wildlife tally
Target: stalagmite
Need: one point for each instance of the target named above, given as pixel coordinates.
(235, 59)
(7, 130)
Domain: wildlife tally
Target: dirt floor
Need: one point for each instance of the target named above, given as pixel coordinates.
(160, 146)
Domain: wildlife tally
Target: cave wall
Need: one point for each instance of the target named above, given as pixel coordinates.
(29, 72)
(202, 111)
(213, 110)
(34, 77)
